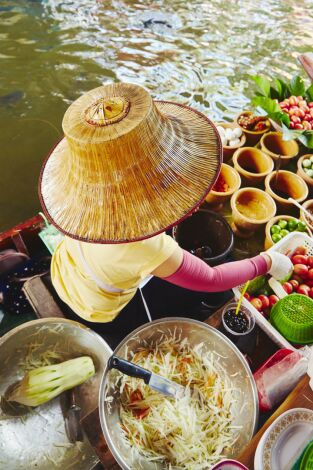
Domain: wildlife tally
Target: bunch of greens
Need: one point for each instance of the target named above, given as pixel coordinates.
(268, 96)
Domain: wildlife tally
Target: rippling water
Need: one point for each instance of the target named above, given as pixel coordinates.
(196, 52)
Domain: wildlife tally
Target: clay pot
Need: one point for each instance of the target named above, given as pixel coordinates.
(288, 185)
(268, 242)
(273, 144)
(228, 151)
(253, 137)
(252, 165)
(302, 173)
(308, 205)
(251, 209)
(232, 179)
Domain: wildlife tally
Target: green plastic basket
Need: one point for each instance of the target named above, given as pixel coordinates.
(307, 459)
(292, 316)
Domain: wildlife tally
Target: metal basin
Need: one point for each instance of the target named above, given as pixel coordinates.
(245, 407)
(38, 441)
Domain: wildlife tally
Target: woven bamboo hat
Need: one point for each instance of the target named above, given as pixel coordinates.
(128, 167)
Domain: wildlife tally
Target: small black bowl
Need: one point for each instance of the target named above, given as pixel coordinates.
(206, 228)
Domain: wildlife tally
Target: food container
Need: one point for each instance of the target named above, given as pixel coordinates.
(308, 205)
(284, 185)
(251, 209)
(302, 173)
(246, 340)
(227, 150)
(273, 144)
(252, 165)
(245, 405)
(207, 229)
(268, 236)
(231, 177)
(252, 137)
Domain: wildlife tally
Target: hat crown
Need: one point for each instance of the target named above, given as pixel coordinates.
(106, 111)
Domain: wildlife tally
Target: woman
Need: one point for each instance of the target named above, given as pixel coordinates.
(128, 169)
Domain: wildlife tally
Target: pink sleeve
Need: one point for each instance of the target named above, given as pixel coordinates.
(195, 274)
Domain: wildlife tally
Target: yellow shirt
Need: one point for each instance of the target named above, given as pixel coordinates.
(121, 266)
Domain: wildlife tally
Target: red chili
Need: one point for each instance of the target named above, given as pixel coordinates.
(220, 185)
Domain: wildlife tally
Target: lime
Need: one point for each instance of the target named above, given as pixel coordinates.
(276, 237)
(282, 223)
(275, 229)
(292, 224)
(307, 163)
(301, 226)
(284, 232)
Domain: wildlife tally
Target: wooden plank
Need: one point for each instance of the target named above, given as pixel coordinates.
(300, 397)
(40, 299)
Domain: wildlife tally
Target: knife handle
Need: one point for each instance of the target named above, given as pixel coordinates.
(129, 368)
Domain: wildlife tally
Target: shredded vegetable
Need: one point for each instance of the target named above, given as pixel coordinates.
(191, 433)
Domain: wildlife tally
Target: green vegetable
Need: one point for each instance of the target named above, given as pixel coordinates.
(256, 284)
(307, 163)
(275, 229)
(276, 237)
(41, 385)
(292, 224)
(284, 232)
(310, 173)
(282, 223)
(301, 226)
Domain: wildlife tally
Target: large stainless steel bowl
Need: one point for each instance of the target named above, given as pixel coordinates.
(245, 407)
(38, 441)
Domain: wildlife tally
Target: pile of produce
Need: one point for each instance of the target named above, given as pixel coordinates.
(284, 227)
(253, 123)
(220, 185)
(289, 104)
(193, 432)
(307, 163)
(230, 137)
(262, 297)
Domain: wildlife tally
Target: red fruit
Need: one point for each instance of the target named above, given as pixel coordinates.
(301, 270)
(247, 296)
(310, 105)
(293, 100)
(292, 125)
(311, 111)
(299, 259)
(283, 105)
(297, 278)
(308, 117)
(301, 113)
(266, 312)
(302, 103)
(301, 250)
(303, 289)
(310, 274)
(298, 126)
(310, 261)
(265, 301)
(294, 283)
(306, 109)
(287, 286)
(306, 125)
(293, 111)
(273, 300)
(257, 304)
(311, 293)
(295, 119)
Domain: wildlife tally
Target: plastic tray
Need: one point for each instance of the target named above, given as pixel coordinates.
(286, 246)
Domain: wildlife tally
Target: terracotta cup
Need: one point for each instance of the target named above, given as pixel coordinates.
(252, 165)
(302, 173)
(283, 185)
(308, 205)
(273, 144)
(228, 151)
(251, 209)
(253, 137)
(231, 177)
(268, 242)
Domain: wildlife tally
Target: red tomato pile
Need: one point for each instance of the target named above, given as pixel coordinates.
(300, 112)
(301, 282)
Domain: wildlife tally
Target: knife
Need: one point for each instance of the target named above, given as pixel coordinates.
(72, 420)
(154, 381)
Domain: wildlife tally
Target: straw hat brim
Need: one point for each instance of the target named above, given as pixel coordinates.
(141, 204)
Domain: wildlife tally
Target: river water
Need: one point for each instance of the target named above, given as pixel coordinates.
(200, 53)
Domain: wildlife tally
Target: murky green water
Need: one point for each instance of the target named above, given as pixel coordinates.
(52, 51)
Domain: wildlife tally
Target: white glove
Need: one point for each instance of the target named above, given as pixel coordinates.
(281, 265)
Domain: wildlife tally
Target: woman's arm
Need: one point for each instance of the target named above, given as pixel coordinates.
(190, 272)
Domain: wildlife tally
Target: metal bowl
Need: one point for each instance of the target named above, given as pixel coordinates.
(245, 407)
(38, 441)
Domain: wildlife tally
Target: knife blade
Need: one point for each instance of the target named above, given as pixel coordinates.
(156, 382)
(72, 419)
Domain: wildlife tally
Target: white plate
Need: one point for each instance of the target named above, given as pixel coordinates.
(285, 439)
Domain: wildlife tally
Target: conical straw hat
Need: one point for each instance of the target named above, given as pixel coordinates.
(128, 167)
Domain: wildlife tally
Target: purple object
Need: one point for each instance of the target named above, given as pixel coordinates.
(229, 465)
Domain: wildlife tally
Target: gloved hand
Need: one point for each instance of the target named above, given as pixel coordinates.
(281, 266)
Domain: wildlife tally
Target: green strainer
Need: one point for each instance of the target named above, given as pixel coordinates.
(292, 316)
(307, 459)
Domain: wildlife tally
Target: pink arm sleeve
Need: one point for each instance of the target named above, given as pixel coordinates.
(195, 274)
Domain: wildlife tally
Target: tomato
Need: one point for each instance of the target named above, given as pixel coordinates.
(310, 283)
(287, 286)
(301, 270)
(311, 293)
(310, 274)
(310, 261)
(294, 283)
(273, 299)
(266, 312)
(265, 301)
(257, 304)
(301, 250)
(247, 296)
(299, 259)
(303, 289)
